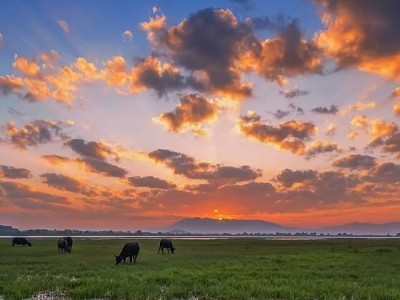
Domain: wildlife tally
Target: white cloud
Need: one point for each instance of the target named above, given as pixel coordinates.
(64, 25)
(127, 34)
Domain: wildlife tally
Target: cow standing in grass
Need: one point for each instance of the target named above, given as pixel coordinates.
(63, 246)
(69, 241)
(21, 241)
(166, 243)
(130, 250)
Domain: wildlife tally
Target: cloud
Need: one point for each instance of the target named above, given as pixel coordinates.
(396, 109)
(10, 84)
(392, 144)
(187, 166)
(89, 164)
(127, 35)
(24, 196)
(319, 147)
(116, 73)
(331, 130)
(296, 109)
(288, 135)
(288, 177)
(292, 93)
(319, 188)
(288, 54)
(395, 93)
(35, 133)
(42, 79)
(150, 73)
(64, 25)
(360, 106)
(355, 161)
(380, 128)
(95, 150)
(12, 172)
(315, 191)
(50, 57)
(26, 66)
(280, 114)
(63, 182)
(386, 173)
(151, 182)
(208, 43)
(359, 121)
(325, 110)
(190, 113)
(362, 34)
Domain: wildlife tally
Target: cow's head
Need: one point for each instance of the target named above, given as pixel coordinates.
(172, 249)
(29, 244)
(118, 259)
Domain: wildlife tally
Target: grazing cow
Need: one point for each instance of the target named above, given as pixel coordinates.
(63, 246)
(129, 250)
(166, 243)
(69, 241)
(21, 241)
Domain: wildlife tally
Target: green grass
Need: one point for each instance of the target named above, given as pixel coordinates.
(213, 269)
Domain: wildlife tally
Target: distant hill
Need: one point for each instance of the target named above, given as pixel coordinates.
(363, 228)
(214, 226)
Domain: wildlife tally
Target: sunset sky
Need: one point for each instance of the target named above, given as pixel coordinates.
(136, 114)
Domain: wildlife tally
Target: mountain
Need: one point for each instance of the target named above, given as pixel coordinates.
(214, 226)
(363, 228)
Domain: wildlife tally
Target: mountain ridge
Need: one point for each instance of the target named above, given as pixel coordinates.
(234, 226)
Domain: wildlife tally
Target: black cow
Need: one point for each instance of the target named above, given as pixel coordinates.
(63, 246)
(129, 250)
(166, 243)
(21, 241)
(69, 241)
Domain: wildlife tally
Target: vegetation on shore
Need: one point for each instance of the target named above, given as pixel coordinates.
(207, 269)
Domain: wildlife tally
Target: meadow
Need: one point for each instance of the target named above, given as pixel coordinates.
(244, 268)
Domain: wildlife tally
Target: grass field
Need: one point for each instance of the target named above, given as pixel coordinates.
(207, 269)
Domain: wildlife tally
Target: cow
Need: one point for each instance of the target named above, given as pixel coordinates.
(129, 250)
(21, 241)
(63, 246)
(69, 241)
(166, 243)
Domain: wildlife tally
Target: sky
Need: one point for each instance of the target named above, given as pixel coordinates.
(135, 114)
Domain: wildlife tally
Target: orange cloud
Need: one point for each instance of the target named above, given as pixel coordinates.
(362, 34)
(319, 147)
(27, 67)
(190, 113)
(331, 129)
(116, 73)
(396, 109)
(288, 135)
(34, 133)
(359, 121)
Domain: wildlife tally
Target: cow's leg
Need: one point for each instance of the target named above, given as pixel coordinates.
(130, 259)
(134, 259)
(157, 252)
